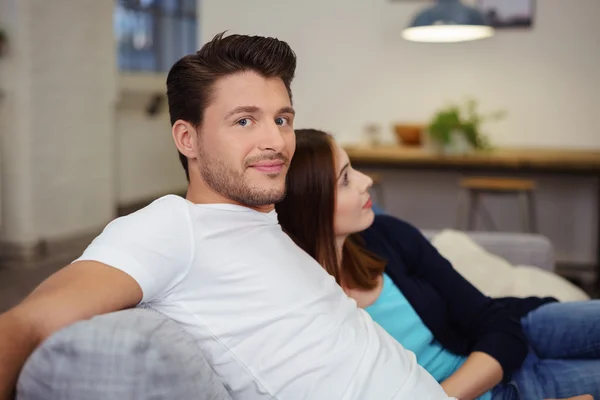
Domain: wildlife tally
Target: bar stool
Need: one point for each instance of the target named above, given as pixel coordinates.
(476, 187)
(377, 189)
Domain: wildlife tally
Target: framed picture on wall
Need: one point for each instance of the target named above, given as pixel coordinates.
(508, 13)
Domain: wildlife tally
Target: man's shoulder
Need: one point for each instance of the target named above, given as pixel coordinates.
(169, 202)
(164, 212)
(166, 205)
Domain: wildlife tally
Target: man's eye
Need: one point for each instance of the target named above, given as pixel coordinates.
(244, 122)
(281, 121)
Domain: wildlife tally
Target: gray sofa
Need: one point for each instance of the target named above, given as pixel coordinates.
(140, 354)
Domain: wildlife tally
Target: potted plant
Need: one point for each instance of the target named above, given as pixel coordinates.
(456, 129)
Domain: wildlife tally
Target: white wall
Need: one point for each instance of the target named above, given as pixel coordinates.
(16, 164)
(57, 118)
(354, 67)
(75, 139)
(147, 161)
(74, 91)
(70, 152)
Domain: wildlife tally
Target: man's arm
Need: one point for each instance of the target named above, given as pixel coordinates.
(79, 291)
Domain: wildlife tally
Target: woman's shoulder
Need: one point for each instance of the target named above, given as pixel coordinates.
(392, 231)
(396, 240)
(388, 224)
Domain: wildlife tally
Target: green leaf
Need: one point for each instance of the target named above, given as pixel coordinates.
(465, 119)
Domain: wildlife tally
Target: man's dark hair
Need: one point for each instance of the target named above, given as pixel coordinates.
(191, 80)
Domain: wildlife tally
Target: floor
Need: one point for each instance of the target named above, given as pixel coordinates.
(16, 282)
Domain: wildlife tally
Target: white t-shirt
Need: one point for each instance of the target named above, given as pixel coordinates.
(271, 321)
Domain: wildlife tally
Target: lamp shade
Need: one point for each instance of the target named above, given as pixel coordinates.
(448, 21)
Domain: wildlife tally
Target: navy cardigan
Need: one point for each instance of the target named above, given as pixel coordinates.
(459, 316)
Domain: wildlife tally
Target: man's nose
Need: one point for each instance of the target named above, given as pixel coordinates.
(272, 138)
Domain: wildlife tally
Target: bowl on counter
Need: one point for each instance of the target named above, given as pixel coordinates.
(410, 134)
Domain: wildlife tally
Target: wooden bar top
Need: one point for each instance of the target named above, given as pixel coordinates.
(502, 158)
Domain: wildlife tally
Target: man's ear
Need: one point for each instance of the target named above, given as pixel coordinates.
(185, 138)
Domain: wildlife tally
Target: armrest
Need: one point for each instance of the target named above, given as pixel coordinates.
(131, 354)
(516, 248)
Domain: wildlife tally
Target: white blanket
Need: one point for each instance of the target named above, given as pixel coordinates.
(496, 277)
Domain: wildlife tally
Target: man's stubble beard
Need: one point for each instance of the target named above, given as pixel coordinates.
(233, 185)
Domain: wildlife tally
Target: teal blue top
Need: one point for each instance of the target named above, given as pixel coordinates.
(395, 314)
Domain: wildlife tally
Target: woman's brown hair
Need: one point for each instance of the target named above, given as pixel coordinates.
(308, 210)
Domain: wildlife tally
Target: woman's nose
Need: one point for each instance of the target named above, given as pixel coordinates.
(367, 182)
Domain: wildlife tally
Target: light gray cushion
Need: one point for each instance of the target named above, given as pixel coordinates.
(132, 354)
(516, 248)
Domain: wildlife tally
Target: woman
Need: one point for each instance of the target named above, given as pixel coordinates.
(476, 347)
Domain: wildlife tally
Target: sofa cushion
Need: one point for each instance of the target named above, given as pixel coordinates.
(132, 354)
(495, 276)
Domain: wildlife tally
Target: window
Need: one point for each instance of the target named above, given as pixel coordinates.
(153, 34)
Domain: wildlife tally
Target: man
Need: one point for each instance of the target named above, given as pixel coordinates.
(272, 322)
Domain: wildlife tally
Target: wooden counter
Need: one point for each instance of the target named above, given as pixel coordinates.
(500, 160)
(551, 160)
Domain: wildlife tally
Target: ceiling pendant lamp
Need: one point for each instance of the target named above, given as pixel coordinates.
(448, 21)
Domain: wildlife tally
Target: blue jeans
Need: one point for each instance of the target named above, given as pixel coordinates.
(564, 354)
